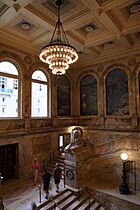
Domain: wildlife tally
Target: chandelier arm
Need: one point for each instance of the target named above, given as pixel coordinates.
(56, 26)
(64, 35)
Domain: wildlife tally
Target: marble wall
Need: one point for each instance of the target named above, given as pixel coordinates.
(109, 135)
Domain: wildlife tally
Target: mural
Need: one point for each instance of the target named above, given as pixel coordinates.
(63, 96)
(117, 93)
(88, 96)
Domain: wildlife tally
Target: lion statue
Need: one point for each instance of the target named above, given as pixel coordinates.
(76, 139)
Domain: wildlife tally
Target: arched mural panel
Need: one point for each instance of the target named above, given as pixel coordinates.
(88, 96)
(117, 93)
(63, 97)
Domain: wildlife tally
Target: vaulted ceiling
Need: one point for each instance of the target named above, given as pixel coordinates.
(98, 29)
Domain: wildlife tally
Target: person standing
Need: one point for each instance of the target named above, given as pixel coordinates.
(46, 182)
(37, 169)
(57, 176)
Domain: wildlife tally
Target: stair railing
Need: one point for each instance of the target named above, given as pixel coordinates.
(51, 159)
(79, 189)
(55, 204)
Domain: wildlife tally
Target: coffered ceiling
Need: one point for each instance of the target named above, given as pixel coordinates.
(98, 29)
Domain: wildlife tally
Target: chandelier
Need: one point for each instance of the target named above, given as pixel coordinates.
(58, 54)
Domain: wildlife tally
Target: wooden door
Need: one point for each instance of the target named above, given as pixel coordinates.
(8, 161)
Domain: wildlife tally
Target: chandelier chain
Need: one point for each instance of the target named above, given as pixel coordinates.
(59, 54)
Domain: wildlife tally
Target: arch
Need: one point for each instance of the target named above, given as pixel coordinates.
(8, 68)
(15, 60)
(10, 89)
(39, 94)
(137, 87)
(110, 68)
(88, 95)
(39, 75)
(117, 93)
(63, 96)
(43, 67)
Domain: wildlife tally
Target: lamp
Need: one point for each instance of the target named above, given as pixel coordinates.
(58, 54)
(124, 189)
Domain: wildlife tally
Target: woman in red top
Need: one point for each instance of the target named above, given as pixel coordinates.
(37, 169)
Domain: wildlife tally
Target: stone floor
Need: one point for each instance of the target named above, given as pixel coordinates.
(113, 191)
(18, 195)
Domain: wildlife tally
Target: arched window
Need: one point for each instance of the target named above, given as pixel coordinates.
(117, 93)
(88, 96)
(63, 96)
(9, 90)
(39, 95)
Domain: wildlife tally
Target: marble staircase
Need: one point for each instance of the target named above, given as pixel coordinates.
(68, 200)
(57, 158)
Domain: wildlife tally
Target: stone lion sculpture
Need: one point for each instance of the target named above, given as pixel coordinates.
(76, 139)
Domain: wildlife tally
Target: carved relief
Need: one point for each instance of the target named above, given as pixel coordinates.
(27, 59)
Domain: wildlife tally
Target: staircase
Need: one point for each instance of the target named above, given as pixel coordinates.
(55, 158)
(68, 200)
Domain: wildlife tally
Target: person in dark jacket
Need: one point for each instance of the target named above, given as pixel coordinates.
(46, 182)
(57, 176)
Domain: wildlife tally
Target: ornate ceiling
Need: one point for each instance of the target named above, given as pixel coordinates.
(99, 29)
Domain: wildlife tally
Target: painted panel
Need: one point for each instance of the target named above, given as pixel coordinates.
(117, 93)
(88, 96)
(63, 97)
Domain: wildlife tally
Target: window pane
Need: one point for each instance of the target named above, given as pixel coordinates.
(8, 67)
(61, 141)
(9, 96)
(39, 75)
(39, 100)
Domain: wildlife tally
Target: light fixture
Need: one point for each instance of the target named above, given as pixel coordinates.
(124, 156)
(58, 54)
(124, 189)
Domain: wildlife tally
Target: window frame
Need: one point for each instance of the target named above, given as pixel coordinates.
(18, 77)
(48, 92)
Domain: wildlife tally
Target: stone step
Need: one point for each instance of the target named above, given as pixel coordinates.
(81, 202)
(86, 205)
(48, 204)
(67, 202)
(59, 160)
(76, 203)
(63, 198)
(101, 208)
(52, 165)
(95, 206)
(59, 200)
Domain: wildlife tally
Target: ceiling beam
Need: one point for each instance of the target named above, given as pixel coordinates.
(8, 16)
(125, 42)
(101, 40)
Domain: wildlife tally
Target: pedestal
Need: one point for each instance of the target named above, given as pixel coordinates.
(78, 166)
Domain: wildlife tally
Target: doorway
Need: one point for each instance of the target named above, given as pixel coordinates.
(63, 140)
(9, 161)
